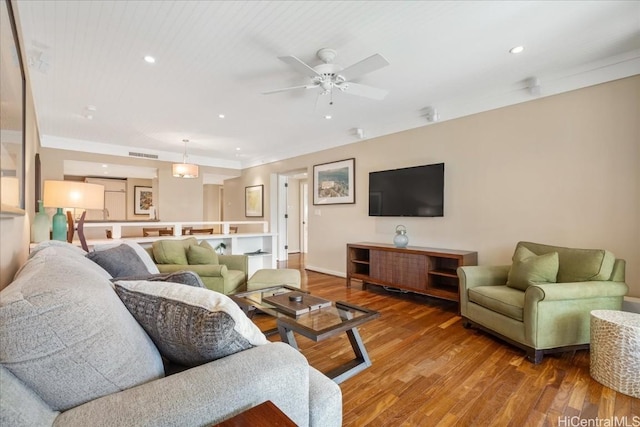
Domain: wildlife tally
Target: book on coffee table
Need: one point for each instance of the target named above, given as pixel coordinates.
(287, 304)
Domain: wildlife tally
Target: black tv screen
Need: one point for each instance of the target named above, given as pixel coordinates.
(414, 191)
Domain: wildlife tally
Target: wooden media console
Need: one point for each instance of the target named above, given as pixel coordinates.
(427, 271)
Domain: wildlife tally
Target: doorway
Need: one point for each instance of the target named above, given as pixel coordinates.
(292, 208)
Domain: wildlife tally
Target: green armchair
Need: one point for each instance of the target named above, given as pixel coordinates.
(541, 303)
(226, 274)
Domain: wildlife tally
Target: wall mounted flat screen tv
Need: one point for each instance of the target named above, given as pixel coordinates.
(414, 191)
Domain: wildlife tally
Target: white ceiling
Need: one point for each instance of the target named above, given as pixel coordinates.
(217, 57)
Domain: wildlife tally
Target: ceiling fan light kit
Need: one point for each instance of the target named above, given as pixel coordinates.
(329, 76)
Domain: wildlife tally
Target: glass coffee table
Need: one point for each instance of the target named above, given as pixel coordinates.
(325, 319)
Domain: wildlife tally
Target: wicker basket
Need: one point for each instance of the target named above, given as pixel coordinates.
(615, 350)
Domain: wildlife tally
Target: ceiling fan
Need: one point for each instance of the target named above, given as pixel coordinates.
(329, 76)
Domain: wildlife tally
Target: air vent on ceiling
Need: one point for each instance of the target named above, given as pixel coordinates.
(146, 156)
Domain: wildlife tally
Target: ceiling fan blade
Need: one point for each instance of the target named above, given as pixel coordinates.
(366, 91)
(300, 66)
(372, 63)
(269, 92)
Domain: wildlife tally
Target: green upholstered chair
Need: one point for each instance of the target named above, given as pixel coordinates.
(541, 303)
(226, 274)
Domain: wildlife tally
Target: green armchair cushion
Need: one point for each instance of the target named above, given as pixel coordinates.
(501, 299)
(201, 254)
(577, 265)
(169, 252)
(529, 268)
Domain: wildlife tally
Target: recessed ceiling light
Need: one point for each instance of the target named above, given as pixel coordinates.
(150, 59)
(221, 116)
(104, 166)
(237, 148)
(517, 49)
(327, 117)
(91, 108)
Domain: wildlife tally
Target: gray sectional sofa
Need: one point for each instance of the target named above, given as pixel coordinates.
(73, 355)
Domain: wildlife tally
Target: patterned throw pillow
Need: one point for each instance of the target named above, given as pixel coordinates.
(190, 326)
(119, 261)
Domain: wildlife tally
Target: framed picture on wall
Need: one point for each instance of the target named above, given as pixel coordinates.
(254, 201)
(142, 200)
(334, 183)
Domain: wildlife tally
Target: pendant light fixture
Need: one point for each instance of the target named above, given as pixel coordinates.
(184, 169)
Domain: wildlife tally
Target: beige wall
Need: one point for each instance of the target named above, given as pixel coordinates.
(562, 170)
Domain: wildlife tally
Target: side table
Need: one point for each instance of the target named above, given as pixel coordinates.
(265, 414)
(615, 350)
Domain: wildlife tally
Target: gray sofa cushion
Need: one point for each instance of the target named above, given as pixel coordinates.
(20, 406)
(190, 325)
(184, 277)
(142, 253)
(119, 261)
(66, 335)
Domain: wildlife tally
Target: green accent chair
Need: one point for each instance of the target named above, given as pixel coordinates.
(541, 303)
(226, 274)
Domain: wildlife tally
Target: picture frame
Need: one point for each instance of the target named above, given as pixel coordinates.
(254, 201)
(142, 200)
(334, 183)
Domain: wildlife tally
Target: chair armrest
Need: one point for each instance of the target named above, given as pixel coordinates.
(574, 291)
(479, 275)
(207, 394)
(203, 270)
(235, 262)
(557, 314)
(483, 275)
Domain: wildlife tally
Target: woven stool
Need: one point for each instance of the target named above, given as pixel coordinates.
(615, 350)
(269, 277)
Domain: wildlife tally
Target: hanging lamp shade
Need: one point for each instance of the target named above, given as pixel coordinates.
(184, 169)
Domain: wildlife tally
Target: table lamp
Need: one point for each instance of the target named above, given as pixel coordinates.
(71, 194)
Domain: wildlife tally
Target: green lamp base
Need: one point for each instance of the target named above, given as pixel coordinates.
(59, 226)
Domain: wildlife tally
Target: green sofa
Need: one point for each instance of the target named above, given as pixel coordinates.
(226, 274)
(541, 303)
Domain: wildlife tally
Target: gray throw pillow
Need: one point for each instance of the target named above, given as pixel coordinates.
(119, 261)
(183, 277)
(190, 326)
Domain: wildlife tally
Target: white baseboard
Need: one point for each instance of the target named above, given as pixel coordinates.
(325, 271)
(631, 304)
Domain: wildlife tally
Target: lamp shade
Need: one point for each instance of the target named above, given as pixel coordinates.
(72, 194)
(184, 170)
(10, 190)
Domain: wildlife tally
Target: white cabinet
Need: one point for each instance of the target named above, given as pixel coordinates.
(115, 200)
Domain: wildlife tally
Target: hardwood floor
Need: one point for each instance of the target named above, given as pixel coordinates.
(429, 371)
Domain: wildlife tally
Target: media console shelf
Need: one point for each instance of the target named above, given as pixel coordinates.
(427, 271)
